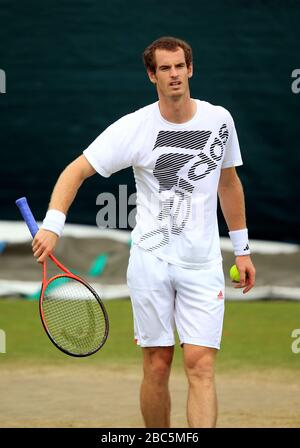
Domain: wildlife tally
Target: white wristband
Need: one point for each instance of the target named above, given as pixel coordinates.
(54, 221)
(240, 242)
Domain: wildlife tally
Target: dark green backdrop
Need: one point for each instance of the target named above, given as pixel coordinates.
(73, 67)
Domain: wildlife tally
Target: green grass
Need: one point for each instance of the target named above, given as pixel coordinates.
(27, 343)
(256, 335)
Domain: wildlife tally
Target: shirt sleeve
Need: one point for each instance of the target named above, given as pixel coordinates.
(232, 155)
(111, 151)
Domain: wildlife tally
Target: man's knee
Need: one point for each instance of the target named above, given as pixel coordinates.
(157, 363)
(199, 363)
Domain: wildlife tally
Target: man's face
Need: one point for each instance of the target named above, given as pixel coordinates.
(172, 74)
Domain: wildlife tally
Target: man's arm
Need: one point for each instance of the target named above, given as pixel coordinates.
(62, 197)
(232, 201)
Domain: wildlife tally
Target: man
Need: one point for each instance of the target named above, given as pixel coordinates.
(183, 152)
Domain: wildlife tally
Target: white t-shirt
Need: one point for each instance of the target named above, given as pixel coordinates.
(177, 169)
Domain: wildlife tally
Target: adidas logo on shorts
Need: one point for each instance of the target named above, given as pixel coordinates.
(220, 295)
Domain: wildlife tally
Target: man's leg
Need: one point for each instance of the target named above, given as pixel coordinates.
(202, 398)
(155, 396)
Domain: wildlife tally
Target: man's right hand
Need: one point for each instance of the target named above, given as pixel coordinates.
(43, 244)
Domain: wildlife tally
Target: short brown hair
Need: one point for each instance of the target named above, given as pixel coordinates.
(166, 43)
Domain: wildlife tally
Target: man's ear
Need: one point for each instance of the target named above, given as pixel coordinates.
(190, 71)
(152, 76)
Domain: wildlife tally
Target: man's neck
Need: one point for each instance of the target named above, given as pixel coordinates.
(177, 110)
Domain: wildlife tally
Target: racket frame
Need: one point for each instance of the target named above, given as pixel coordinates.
(69, 274)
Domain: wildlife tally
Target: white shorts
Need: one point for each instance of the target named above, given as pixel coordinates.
(165, 296)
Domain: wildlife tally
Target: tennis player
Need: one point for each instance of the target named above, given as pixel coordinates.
(183, 152)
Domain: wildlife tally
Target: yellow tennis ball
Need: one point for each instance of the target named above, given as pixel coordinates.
(234, 273)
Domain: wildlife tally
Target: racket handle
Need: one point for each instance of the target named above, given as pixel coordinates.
(28, 217)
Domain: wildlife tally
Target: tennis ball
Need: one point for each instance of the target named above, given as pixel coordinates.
(234, 273)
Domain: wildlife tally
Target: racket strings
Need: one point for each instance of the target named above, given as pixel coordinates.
(73, 316)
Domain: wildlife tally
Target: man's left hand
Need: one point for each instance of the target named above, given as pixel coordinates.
(247, 273)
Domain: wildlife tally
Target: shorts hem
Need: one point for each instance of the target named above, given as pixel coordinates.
(154, 343)
(195, 341)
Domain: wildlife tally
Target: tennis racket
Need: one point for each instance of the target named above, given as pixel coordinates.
(71, 311)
